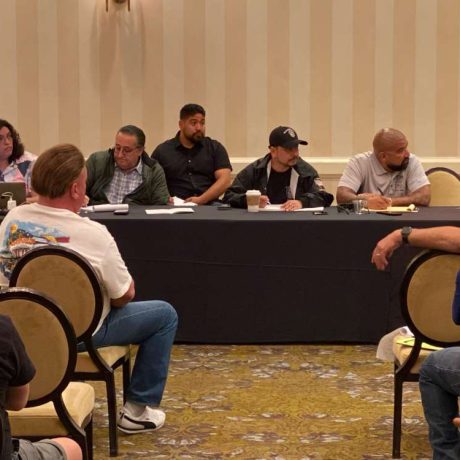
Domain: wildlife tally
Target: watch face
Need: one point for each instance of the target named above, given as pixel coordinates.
(405, 232)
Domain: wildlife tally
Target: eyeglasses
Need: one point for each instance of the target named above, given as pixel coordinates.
(8, 137)
(125, 150)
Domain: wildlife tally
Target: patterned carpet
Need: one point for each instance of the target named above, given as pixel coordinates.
(305, 402)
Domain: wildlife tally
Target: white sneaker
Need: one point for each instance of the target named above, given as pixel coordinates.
(150, 420)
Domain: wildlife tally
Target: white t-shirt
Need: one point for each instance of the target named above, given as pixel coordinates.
(29, 226)
(365, 174)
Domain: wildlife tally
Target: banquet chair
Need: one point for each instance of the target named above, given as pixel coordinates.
(445, 187)
(70, 280)
(56, 406)
(426, 295)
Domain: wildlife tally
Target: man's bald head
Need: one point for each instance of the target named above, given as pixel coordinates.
(386, 139)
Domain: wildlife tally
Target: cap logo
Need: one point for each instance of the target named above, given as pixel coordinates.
(290, 131)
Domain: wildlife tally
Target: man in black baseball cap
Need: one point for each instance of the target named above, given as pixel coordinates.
(281, 176)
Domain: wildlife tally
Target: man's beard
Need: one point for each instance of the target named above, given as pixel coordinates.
(400, 167)
(194, 138)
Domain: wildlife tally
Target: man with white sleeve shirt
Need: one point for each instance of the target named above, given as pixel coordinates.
(59, 179)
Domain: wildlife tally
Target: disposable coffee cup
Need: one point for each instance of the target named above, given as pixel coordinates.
(253, 200)
(359, 206)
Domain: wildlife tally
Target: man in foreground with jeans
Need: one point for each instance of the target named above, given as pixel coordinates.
(440, 373)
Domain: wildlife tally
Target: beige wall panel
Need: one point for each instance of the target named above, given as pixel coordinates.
(425, 79)
(321, 47)
(173, 62)
(215, 69)
(195, 51)
(88, 75)
(236, 77)
(299, 75)
(404, 66)
(48, 74)
(110, 73)
(342, 78)
(27, 70)
(131, 46)
(68, 74)
(447, 77)
(278, 63)
(363, 73)
(257, 77)
(9, 74)
(152, 102)
(384, 61)
(335, 70)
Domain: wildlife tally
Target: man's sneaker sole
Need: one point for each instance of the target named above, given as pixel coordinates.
(143, 426)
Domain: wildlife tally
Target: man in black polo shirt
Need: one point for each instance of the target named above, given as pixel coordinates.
(197, 168)
(281, 176)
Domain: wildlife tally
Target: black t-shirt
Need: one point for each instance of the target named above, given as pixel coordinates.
(277, 186)
(190, 172)
(16, 369)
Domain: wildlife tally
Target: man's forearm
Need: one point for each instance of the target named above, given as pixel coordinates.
(441, 238)
(345, 195)
(420, 197)
(216, 190)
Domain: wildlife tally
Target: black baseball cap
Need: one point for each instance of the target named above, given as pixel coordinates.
(286, 137)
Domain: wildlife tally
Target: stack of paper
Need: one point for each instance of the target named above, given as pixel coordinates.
(106, 208)
(169, 211)
(410, 208)
(180, 202)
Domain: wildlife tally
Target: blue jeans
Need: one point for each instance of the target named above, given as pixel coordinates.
(152, 325)
(440, 388)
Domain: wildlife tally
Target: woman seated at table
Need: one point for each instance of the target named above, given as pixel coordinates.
(15, 163)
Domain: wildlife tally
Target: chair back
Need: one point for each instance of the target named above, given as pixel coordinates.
(427, 292)
(445, 187)
(68, 279)
(48, 337)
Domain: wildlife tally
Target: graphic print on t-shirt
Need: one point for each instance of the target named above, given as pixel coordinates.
(20, 237)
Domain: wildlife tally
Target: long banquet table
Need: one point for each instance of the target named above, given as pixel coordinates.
(269, 277)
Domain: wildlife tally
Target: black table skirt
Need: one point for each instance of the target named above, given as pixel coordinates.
(237, 277)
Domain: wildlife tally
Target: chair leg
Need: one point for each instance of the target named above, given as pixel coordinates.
(126, 377)
(112, 413)
(397, 416)
(89, 438)
(83, 442)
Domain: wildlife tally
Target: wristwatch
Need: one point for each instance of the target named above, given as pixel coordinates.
(405, 232)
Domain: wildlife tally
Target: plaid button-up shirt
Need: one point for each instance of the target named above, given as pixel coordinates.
(123, 183)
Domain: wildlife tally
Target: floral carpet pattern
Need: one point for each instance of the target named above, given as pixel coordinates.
(278, 402)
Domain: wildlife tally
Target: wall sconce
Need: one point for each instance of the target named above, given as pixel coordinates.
(118, 1)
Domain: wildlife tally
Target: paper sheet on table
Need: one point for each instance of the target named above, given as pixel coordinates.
(169, 211)
(272, 207)
(180, 202)
(318, 208)
(277, 207)
(410, 208)
(106, 207)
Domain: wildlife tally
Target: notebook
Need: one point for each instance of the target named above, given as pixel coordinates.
(18, 189)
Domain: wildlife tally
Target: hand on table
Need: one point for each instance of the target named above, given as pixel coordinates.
(263, 201)
(291, 205)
